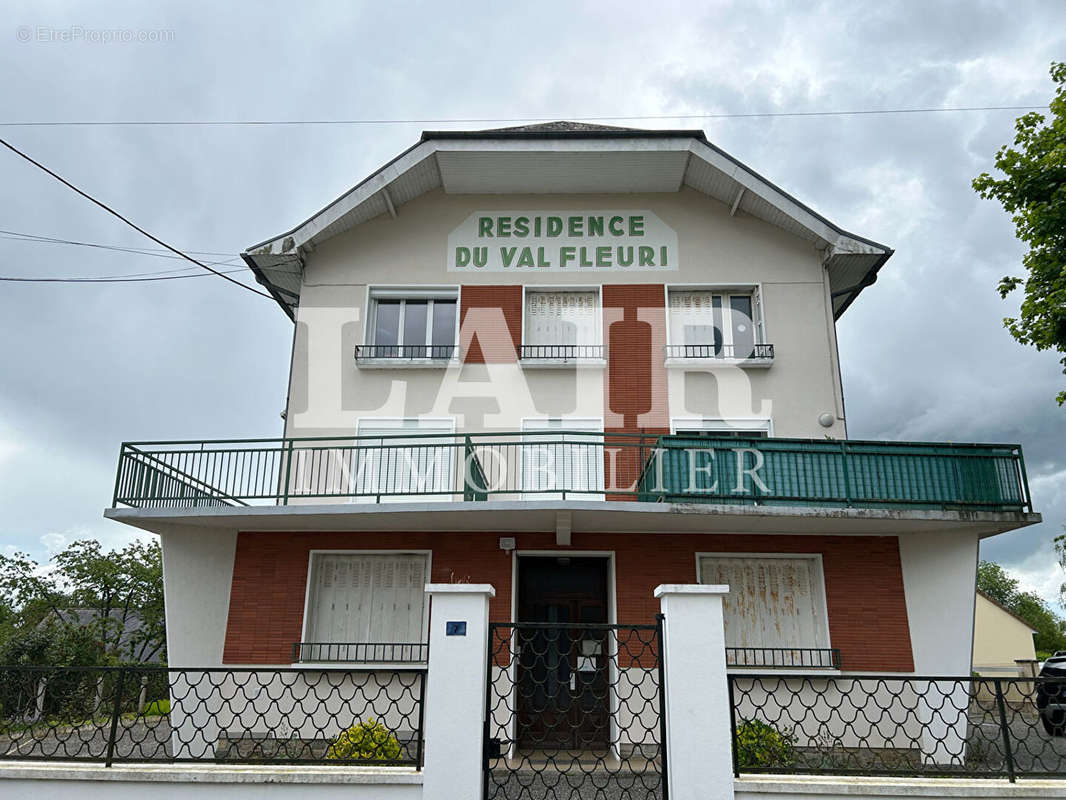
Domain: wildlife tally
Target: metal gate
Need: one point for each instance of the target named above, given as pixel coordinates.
(575, 711)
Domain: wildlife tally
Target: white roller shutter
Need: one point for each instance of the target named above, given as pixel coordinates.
(561, 318)
(367, 598)
(772, 602)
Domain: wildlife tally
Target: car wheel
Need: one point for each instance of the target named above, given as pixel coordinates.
(1054, 724)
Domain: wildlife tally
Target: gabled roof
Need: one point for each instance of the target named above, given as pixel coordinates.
(1006, 610)
(567, 158)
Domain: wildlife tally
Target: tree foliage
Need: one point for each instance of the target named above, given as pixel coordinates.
(1033, 192)
(119, 586)
(994, 581)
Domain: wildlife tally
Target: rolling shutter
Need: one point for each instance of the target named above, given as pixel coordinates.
(772, 602)
(367, 598)
(561, 318)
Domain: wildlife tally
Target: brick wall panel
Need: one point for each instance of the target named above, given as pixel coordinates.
(863, 581)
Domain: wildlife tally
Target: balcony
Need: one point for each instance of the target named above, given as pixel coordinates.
(543, 355)
(688, 355)
(393, 356)
(573, 465)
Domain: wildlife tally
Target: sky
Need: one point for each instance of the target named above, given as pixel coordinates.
(87, 366)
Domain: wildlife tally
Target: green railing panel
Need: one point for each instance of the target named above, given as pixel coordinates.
(476, 467)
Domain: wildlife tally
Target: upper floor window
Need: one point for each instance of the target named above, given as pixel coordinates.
(407, 324)
(562, 325)
(706, 323)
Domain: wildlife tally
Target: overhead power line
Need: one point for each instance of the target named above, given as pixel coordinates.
(133, 225)
(496, 120)
(112, 279)
(148, 251)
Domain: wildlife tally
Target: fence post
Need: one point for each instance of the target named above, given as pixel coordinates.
(697, 695)
(455, 704)
(1008, 754)
(114, 718)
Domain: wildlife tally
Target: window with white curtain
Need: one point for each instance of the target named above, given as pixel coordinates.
(561, 318)
(556, 462)
(392, 467)
(774, 602)
(366, 599)
(714, 323)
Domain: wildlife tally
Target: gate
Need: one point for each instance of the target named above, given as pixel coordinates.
(575, 711)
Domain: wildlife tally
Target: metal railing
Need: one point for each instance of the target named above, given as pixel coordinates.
(160, 714)
(433, 352)
(573, 465)
(721, 351)
(783, 657)
(575, 710)
(898, 725)
(560, 352)
(361, 652)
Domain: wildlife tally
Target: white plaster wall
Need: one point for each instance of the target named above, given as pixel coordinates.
(939, 578)
(329, 393)
(197, 575)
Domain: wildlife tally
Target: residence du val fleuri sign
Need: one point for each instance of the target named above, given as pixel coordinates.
(558, 241)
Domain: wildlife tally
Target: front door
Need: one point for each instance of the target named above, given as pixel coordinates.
(563, 656)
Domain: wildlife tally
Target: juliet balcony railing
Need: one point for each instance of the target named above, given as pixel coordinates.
(573, 465)
(560, 352)
(723, 352)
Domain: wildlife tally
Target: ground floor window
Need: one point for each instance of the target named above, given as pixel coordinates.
(774, 603)
(365, 607)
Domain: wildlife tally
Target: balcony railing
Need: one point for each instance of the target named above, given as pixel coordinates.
(573, 465)
(561, 352)
(783, 657)
(430, 352)
(762, 352)
(361, 652)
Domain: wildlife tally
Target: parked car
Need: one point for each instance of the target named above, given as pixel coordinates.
(1051, 694)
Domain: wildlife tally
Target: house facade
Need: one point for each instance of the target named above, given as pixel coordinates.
(1002, 641)
(576, 363)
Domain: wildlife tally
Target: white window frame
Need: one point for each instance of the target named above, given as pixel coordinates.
(555, 362)
(817, 590)
(758, 310)
(404, 293)
(594, 425)
(725, 424)
(447, 423)
(310, 588)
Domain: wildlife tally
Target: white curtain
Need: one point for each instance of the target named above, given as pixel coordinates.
(561, 318)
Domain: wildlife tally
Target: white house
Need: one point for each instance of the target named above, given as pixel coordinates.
(573, 362)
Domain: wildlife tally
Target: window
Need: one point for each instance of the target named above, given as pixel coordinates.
(720, 428)
(554, 463)
(715, 324)
(773, 602)
(365, 600)
(397, 468)
(411, 326)
(562, 325)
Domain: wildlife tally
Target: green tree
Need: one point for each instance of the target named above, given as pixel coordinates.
(1033, 191)
(117, 585)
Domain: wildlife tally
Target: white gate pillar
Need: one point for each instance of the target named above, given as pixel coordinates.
(698, 737)
(455, 689)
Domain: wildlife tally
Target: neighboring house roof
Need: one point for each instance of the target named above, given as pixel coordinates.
(583, 158)
(83, 617)
(1003, 608)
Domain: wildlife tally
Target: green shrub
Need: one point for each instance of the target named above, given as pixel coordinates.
(367, 741)
(157, 708)
(762, 745)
